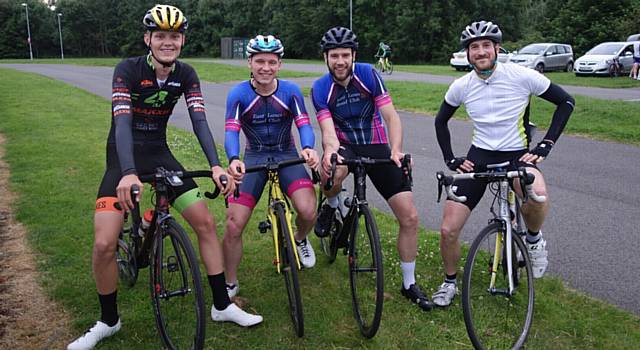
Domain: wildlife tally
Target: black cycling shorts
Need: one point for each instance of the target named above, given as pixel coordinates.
(387, 178)
(148, 157)
(474, 189)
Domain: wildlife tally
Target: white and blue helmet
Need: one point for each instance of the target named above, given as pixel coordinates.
(265, 44)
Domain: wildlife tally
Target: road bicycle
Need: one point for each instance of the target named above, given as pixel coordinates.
(384, 65)
(176, 289)
(615, 68)
(278, 220)
(354, 230)
(497, 287)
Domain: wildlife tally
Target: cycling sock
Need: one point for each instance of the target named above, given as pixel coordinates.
(219, 289)
(408, 273)
(333, 201)
(533, 237)
(108, 308)
(450, 278)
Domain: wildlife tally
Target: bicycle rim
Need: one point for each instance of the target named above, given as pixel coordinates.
(176, 290)
(495, 320)
(366, 273)
(329, 244)
(126, 261)
(289, 269)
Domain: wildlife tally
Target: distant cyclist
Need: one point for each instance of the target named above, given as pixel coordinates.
(496, 97)
(384, 53)
(635, 69)
(265, 108)
(145, 91)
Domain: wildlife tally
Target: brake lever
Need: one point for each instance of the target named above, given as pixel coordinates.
(334, 161)
(406, 170)
(440, 177)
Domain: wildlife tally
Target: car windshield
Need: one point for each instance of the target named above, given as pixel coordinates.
(533, 50)
(605, 49)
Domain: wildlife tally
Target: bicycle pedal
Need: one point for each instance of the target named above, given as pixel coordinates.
(263, 226)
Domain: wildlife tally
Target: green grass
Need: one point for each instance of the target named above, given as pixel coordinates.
(56, 175)
(599, 119)
(562, 78)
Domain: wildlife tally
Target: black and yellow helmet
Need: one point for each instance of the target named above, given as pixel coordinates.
(165, 17)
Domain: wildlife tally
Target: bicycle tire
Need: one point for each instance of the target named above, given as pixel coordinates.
(496, 320)
(378, 66)
(329, 244)
(366, 273)
(390, 70)
(126, 261)
(289, 270)
(176, 289)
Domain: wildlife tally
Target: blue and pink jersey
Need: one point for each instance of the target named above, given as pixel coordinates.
(266, 120)
(355, 109)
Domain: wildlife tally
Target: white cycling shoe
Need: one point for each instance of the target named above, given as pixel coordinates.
(236, 315)
(94, 335)
(305, 253)
(538, 254)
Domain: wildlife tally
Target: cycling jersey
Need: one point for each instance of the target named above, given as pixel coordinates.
(355, 108)
(142, 107)
(498, 105)
(266, 120)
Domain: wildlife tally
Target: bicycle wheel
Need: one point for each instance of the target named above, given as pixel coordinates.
(176, 290)
(495, 319)
(289, 269)
(379, 66)
(366, 273)
(390, 68)
(328, 244)
(126, 257)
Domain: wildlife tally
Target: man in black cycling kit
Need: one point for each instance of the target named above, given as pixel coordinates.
(496, 97)
(145, 90)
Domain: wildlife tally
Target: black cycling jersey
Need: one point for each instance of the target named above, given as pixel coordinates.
(141, 107)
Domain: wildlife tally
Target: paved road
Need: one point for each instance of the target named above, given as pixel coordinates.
(592, 230)
(629, 94)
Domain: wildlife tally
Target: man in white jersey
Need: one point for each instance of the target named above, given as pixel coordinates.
(496, 97)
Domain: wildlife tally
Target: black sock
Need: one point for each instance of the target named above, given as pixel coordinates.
(109, 308)
(450, 278)
(219, 290)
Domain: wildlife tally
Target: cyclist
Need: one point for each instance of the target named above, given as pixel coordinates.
(145, 90)
(635, 69)
(384, 53)
(265, 108)
(496, 97)
(352, 106)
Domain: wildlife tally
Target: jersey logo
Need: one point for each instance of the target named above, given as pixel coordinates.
(146, 83)
(157, 99)
(173, 83)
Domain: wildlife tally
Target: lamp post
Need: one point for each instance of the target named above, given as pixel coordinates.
(26, 8)
(60, 31)
(351, 14)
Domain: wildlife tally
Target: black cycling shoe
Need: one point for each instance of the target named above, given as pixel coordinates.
(325, 218)
(417, 296)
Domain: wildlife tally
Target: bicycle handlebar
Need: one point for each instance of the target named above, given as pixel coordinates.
(447, 180)
(174, 178)
(274, 166)
(362, 161)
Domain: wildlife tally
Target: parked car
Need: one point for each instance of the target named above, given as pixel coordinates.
(634, 37)
(459, 59)
(599, 59)
(545, 57)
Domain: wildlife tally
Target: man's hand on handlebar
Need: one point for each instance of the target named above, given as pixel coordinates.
(124, 191)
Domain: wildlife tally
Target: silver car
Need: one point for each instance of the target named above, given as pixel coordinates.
(598, 60)
(545, 57)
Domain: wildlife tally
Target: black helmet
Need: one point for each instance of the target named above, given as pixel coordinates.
(339, 37)
(480, 30)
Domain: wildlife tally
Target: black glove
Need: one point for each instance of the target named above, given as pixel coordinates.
(455, 163)
(543, 148)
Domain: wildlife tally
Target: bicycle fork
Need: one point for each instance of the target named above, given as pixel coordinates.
(503, 238)
(276, 236)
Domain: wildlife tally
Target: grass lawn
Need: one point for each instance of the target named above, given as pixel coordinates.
(56, 175)
(562, 78)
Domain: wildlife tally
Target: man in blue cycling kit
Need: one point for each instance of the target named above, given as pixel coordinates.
(145, 91)
(265, 108)
(496, 97)
(352, 107)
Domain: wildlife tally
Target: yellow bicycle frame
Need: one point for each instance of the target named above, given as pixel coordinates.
(276, 196)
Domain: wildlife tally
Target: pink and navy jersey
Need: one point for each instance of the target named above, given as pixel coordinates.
(266, 120)
(354, 109)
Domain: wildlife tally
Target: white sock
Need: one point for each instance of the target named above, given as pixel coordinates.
(333, 201)
(408, 273)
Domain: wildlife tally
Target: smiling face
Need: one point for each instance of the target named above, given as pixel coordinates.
(482, 54)
(340, 62)
(264, 67)
(165, 46)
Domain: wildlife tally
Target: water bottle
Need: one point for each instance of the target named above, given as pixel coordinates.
(145, 222)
